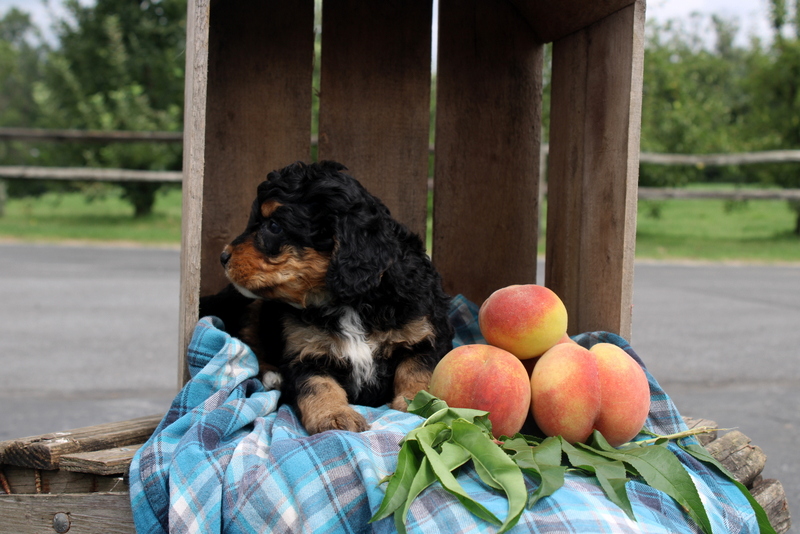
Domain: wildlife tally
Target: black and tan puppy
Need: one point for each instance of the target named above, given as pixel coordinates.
(333, 293)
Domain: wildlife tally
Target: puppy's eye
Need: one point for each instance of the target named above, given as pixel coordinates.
(274, 227)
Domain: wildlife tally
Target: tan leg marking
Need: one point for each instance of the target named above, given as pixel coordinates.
(323, 406)
(409, 378)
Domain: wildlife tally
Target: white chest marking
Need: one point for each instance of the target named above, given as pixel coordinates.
(356, 349)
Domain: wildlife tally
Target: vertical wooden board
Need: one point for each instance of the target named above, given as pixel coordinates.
(258, 112)
(565, 165)
(249, 67)
(601, 66)
(194, 122)
(488, 124)
(375, 98)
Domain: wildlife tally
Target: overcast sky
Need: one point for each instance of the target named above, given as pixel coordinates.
(751, 14)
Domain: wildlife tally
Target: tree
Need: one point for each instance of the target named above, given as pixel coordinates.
(694, 100)
(775, 86)
(119, 67)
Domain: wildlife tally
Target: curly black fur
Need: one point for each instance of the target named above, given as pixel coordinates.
(377, 286)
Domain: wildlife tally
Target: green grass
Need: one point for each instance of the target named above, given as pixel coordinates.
(70, 217)
(712, 230)
(754, 230)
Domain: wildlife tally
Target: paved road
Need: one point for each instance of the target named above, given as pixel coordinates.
(89, 335)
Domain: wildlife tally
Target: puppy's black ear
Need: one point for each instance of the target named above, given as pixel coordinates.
(366, 246)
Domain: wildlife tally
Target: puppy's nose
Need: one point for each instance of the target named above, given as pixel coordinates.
(225, 257)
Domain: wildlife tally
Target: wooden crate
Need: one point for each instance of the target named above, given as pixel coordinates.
(249, 95)
(71, 481)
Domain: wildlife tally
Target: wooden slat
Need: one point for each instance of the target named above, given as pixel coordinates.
(247, 114)
(194, 124)
(22, 480)
(44, 452)
(593, 170)
(554, 20)
(487, 148)
(89, 513)
(258, 112)
(105, 462)
(375, 98)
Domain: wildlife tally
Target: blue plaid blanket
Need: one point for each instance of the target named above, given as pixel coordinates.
(227, 457)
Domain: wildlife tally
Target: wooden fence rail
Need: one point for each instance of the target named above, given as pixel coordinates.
(100, 136)
(89, 174)
(124, 175)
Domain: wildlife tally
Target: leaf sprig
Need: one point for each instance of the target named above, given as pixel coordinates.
(451, 437)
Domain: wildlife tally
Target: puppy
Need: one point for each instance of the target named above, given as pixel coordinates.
(339, 301)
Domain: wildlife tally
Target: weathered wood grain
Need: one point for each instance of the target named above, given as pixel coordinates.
(194, 125)
(248, 112)
(90, 513)
(595, 123)
(23, 480)
(488, 117)
(551, 23)
(104, 462)
(374, 100)
(45, 451)
(744, 461)
(769, 493)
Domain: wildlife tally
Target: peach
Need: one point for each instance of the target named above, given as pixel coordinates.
(525, 320)
(575, 391)
(483, 377)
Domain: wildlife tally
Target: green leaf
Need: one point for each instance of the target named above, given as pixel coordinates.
(542, 462)
(443, 473)
(424, 404)
(423, 478)
(662, 470)
(496, 464)
(399, 484)
(611, 473)
(435, 410)
(700, 453)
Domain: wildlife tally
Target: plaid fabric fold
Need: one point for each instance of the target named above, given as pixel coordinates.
(228, 457)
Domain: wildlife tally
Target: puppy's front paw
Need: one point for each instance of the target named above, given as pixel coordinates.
(400, 403)
(272, 380)
(341, 418)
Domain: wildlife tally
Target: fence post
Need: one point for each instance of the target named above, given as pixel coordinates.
(3, 197)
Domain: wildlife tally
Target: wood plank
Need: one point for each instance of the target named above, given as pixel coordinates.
(744, 461)
(375, 99)
(258, 112)
(90, 513)
(554, 20)
(769, 493)
(488, 117)
(22, 480)
(45, 451)
(247, 114)
(105, 462)
(593, 170)
(194, 124)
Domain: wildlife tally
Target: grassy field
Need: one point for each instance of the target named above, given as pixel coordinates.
(70, 217)
(710, 230)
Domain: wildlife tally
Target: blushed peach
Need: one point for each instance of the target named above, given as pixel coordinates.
(525, 320)
(486, 378)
